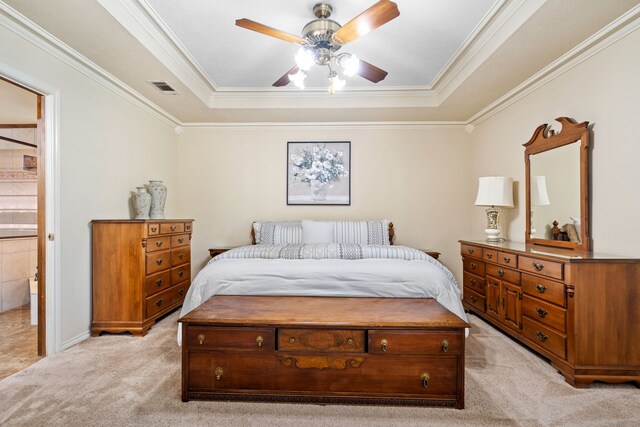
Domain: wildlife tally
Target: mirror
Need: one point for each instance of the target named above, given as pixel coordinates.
(557, 186)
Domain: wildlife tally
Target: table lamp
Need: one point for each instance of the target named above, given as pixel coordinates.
(539, 197)
(494, 191)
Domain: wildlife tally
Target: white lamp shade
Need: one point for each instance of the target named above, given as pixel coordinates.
(539, 195)
(495, 191)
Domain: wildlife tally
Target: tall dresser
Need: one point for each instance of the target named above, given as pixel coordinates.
(580, 309)
(141, 271)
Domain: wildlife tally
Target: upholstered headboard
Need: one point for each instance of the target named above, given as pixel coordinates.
(391, 233)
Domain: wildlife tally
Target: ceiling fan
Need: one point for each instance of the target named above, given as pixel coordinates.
(323, 37)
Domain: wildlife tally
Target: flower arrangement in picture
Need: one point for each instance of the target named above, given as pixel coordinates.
(318, 165)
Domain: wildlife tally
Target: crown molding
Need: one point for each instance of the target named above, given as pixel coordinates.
(252, 126)
(23, 27)
(615, 31)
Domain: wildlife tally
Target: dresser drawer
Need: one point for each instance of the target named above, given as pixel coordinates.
(162, 300)
(157, 282)
(180, 240)
(210, 338)
(545, 337)
(471, 251)
(414, 342)
(544, 312)
(511, 276)
(545, 289)
(542, 267)
(181, 273)
(507, 259)
(473, 282)
(473, 266)
(153, 229)
(474, 299)
(158, 244)
(172, 227)
(321, 340)
(188, 226)
(490, 255)
(180, 256)
(157, 261)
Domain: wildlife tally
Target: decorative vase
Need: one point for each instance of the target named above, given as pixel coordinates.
(158, 197)
(142, 203)
(319, 192)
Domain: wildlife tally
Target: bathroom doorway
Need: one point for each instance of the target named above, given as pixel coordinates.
(22, 314)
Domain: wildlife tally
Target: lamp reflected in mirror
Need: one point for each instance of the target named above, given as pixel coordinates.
(539, 196)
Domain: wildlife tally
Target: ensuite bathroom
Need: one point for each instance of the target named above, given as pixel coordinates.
(18, 229)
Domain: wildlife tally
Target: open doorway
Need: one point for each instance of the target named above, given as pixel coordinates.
(22, 309)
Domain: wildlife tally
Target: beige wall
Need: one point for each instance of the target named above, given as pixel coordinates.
(416, 178)
(107, 146)
(603, 90)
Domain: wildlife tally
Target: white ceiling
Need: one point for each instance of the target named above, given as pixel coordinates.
(448, 60)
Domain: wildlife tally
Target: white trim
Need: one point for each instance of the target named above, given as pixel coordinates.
(52, 200)
(251, 126)
(75, 340)
(22, 26)
(615, 31)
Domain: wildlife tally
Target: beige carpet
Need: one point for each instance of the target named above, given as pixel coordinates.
(119, 380)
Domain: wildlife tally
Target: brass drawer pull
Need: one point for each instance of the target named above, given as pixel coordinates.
(201, 339)
(540, 288)
(489, 256)
(541, 312)
(180, 273)
(159, 261)
(154, 229)
(259, 340)
(159, 302)
(180, 256)
(181, 291)
(473, 298)
(507, 259)
(187, 227)
(471, 251)
(500, 273)
(473, 282)
(350, 341)
(542, 337)
(474, 265)
(384, 344)
(445, 345)
(425, 379)
(158, 244)
(180, 240)
(173, 228)
(159, 282)
(219, 371)
(538, 266)
(292, 340)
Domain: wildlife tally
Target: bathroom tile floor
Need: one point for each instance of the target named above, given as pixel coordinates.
(18, 341)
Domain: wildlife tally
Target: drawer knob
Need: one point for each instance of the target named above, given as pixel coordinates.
(500, 273)
(538, 266)
(219, 371)
(474, 265)
(159, 261)
(384, 344)
(181, 292)
(159, 282)
(201, 339)
(180, 273)
(541, 311)
(445, 345)
(542, 337)
(187, 227)
(541, 288)
(154, 229)
(471, 251)
(424, 377)
(473, 282)
(473, 298)
(159, 302)
(180, 240)
(180, 256)
(292, 340)
(158, 244)
(350, 341)
(489, 256)
(259, 340)
(173, 228)
(507, 259)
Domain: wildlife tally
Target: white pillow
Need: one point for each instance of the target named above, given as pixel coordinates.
(317, 231)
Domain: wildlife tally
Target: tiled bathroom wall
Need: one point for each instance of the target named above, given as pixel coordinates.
(18, 261)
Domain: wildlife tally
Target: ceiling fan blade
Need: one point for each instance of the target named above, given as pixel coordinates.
(371, 72)
(377, 15)
(264, 29)
(284, 80)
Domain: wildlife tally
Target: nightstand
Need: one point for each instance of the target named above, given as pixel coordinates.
(431, 253)
(217, 251)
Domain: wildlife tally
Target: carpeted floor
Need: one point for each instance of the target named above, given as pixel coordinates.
(119, 380)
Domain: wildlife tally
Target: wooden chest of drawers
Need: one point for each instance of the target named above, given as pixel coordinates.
(141, 271)
(580, 309)
(325, 350)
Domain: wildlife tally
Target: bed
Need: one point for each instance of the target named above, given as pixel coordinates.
(325, 258)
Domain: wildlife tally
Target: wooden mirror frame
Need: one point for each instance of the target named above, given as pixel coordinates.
(542, 141)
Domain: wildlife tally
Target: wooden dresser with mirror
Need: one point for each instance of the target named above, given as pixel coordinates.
(578, 308)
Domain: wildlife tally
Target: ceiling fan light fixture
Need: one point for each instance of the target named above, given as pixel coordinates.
(350, 64)
(304, 59)
(298, 79)
(335, 83)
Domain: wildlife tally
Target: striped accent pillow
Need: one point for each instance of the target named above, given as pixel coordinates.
(274, 233)
(362, 232)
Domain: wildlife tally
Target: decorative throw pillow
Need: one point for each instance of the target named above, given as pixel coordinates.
(273, 232)
(317, 231)
(362, 232)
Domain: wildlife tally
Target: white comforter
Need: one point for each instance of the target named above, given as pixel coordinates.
(372, 277)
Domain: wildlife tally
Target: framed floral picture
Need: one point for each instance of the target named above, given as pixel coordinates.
(319, 173)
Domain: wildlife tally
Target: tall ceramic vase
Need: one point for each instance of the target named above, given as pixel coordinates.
(142, 203)
(158, 197)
